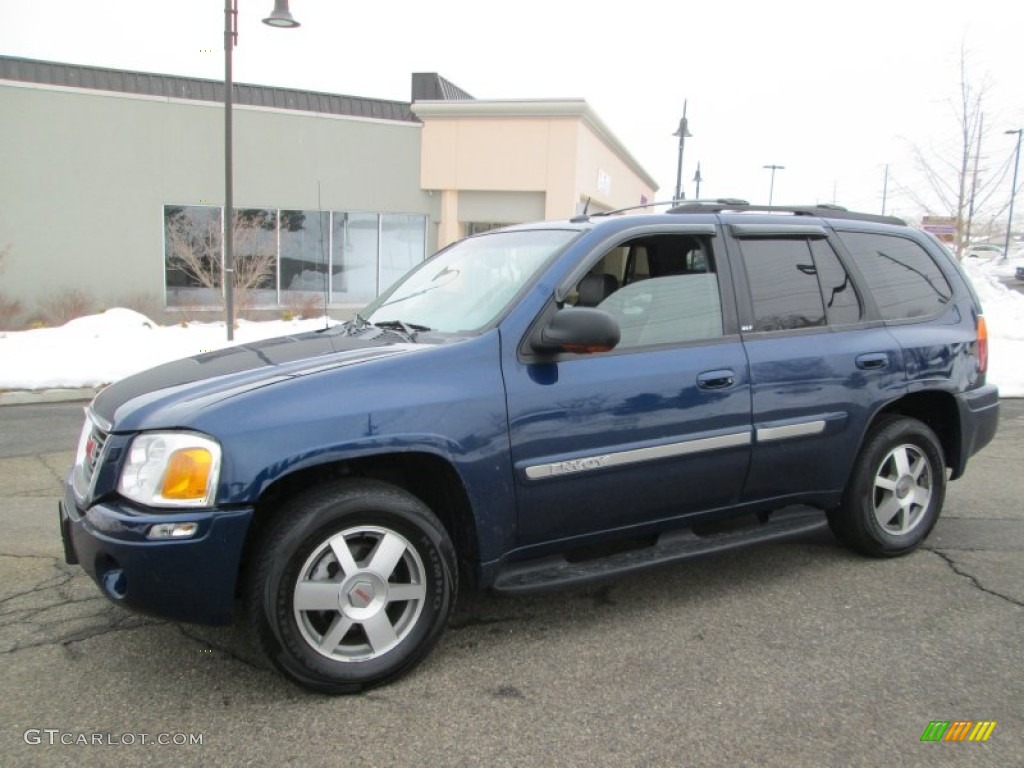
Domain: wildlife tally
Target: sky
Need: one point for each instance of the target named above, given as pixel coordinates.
(835, 92)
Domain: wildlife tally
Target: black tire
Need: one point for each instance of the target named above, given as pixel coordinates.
(896, 490)
(384, 614)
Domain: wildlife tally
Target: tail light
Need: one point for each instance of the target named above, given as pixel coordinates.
(982, 345)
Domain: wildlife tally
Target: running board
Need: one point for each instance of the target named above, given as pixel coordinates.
(557, 572)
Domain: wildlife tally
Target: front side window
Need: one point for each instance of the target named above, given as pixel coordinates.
(661, 289)
(467, 286)
(904, 280)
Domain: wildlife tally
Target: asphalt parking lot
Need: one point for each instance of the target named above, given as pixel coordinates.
(789, 654)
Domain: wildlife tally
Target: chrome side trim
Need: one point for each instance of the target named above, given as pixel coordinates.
(766, 434)
(637, 455)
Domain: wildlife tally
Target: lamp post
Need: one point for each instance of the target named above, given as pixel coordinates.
(771, 186)
(697, 180)
(683, 133)
(279, 17)
(1013, 194)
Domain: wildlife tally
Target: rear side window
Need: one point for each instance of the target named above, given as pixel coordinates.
(783, 284)
(798, 283)
(904, 280)
(841, 301)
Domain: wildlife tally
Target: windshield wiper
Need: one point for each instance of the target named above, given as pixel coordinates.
(348, 328)
(408, 330)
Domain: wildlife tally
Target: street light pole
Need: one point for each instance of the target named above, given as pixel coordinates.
(1013, 194)
(771, 186)
(279, 17)
(683, 133)
(228, 276)
(697, 178)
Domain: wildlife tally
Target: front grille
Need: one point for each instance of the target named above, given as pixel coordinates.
(93, 450)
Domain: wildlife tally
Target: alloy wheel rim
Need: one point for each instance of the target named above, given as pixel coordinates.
(902, 490)
(359, 594)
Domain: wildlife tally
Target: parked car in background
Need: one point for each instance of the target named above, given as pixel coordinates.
(984, 252)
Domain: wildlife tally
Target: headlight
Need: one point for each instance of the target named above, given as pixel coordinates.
(171, 469)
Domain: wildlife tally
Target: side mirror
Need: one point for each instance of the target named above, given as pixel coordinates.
(577, 330)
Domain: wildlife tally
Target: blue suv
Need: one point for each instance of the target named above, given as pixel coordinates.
(534, 407)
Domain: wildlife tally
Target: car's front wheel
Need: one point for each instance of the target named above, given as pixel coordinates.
(351, 586)
(895, 492)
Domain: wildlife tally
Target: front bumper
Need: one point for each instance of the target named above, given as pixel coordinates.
(191, 579)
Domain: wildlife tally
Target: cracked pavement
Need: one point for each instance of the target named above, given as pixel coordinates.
(789, 654)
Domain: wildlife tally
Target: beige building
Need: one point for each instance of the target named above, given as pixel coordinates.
(505, 162)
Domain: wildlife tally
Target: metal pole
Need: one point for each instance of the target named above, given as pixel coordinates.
(771, 185)
(1013, 194)
(682, 133)
(230, 27)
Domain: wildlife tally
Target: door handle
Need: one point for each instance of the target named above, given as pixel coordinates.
(716, 379)
(873, 361)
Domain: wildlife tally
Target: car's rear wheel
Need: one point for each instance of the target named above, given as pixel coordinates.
(895, 492)
(351, 586)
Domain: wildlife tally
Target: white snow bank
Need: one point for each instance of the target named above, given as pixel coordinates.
(100, 349)
(1004, 315)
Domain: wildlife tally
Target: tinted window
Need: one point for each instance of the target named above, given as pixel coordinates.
(904, 280)
(841, 302)
(783, 284)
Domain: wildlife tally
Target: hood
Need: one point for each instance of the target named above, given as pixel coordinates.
(214, 376)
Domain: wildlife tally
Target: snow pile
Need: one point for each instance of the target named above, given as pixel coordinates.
(1004, 314)
(100, 349)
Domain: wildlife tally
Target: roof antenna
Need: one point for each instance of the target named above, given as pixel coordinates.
(582, 216)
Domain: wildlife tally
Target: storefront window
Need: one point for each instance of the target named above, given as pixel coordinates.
(402, 246)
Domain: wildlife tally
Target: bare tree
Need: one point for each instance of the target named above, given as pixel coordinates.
(954, 184)
(195, 249)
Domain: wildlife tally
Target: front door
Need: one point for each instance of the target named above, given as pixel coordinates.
(655, 429)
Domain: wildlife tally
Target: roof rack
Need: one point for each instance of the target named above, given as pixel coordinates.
(822, 210)
(732, 201)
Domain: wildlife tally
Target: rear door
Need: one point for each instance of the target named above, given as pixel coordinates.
(821, 361)
(655, 429)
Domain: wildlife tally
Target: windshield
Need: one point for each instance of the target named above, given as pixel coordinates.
(469, 285)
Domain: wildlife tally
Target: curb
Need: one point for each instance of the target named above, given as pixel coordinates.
(29, 397)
